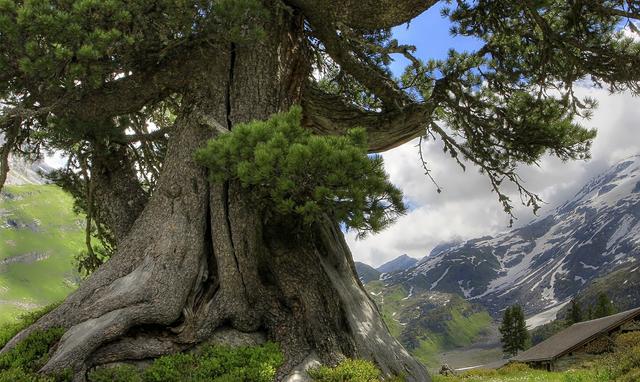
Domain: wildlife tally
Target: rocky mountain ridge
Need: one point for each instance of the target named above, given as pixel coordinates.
(400, 263)
(544, 263)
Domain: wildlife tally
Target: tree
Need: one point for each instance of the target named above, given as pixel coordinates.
(604, 307)
(574, 315)
(522, 339)
(190, 256)
(515, 336)
(507, 331)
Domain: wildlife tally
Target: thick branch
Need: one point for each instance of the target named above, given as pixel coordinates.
(131, 93)
(373, 78)
(367, 14)
(329, 114)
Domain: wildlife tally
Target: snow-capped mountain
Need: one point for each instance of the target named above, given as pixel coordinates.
(546, 262)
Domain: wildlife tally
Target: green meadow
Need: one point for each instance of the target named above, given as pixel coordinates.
(39, 237)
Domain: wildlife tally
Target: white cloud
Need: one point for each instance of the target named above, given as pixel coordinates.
(628, 32)
(467, 208)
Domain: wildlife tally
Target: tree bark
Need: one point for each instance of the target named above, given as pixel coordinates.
(118, 192)
(201, 258)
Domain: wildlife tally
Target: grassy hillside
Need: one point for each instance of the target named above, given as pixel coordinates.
(39, 236)
(429, 323)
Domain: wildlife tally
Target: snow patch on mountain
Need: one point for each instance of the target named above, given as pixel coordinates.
(548, 260)
(544, 317)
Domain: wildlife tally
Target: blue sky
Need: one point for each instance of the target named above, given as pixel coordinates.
(467, 208)
(429, 32)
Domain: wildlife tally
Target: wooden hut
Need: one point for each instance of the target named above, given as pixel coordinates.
(580, 341)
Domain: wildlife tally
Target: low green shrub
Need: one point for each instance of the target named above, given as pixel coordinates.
(124, 373)
(23, 361)
(627, 340)
(632, 376)
(626, 363)
(211, 364)
(291, 173)
(8, 331)
(32, 352)
(350, 370)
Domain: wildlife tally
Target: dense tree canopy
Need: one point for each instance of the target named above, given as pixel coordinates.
(70, 68)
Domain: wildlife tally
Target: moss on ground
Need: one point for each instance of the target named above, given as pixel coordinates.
(21, 363)
(211, 363)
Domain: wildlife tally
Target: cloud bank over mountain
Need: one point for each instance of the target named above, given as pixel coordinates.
(467, 208)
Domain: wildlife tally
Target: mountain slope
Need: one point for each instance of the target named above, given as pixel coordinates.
(366, 272)
(400, 263)
(547, 261)
(22, 172)
(622, 286)
(429, 323)
(39, 236)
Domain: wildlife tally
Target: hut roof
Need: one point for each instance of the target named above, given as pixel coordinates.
(575, 336)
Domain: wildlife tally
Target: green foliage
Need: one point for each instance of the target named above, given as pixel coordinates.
(349, 370)
(542, 332)
(622, 365)
(9, 330)
(515, 336)
(290, 172)
(211, 364)
(574, 315)
(123, 373)
(603, 307)
(31, 352)
(88, 41)
(628, 340)
(516, 372)
(23, 361)
(87, 262)
(512, 100)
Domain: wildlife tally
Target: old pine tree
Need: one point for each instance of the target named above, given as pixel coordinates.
(196, 246)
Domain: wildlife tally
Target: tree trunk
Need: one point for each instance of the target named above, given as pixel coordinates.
(118, 192)
(201, 259)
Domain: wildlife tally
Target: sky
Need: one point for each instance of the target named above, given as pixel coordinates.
(467, 208)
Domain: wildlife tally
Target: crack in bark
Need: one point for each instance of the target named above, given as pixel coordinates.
(227, 216)
(226, 188)
(210, 284)
(232, 64)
